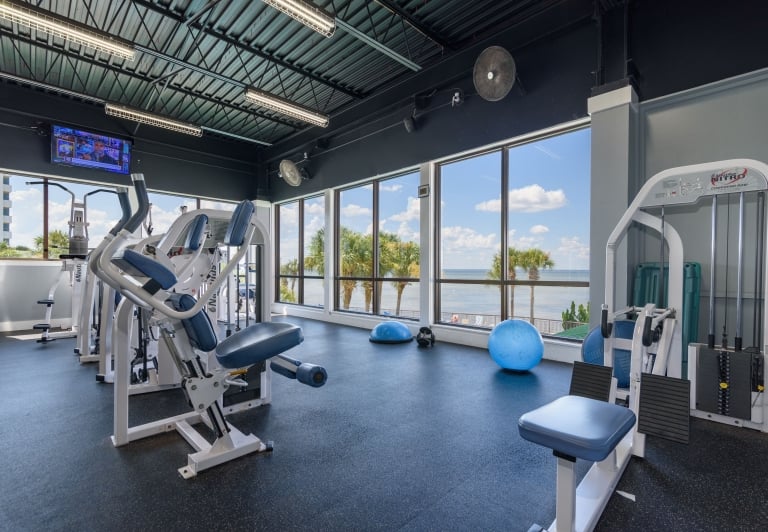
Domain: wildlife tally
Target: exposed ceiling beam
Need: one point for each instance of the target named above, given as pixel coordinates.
(250, 49)
(373, 43)
(146, 79)
(415, 24)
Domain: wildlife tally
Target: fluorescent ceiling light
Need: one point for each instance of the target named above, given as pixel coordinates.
(153, 120)
(288, 108)
(58, 28)
(311, 16)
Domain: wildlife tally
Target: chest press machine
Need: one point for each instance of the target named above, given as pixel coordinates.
(187, 333)
(578, 426)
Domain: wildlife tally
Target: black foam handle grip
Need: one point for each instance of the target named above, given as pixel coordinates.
(648, 331)
(605, 327)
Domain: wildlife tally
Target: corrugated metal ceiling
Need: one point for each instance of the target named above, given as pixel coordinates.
(195, 57)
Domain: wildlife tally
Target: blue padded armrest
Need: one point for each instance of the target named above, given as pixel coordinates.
(577, 426)
(138, 265)
(238, 224)
(196, 232)
(258, 342)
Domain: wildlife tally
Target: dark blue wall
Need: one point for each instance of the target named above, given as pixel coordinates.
(169, 161)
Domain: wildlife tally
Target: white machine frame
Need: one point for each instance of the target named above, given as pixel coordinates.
(579, 508)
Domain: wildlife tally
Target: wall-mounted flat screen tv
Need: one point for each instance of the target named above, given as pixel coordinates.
(76, 147)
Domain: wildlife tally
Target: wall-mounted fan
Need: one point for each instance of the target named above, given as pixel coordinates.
(291, 173)
(494, 73)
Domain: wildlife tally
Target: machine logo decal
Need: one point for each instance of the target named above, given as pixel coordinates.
(728, 177)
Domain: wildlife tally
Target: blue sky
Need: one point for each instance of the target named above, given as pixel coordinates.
(548, 198)
(548, 202)
(103, 210)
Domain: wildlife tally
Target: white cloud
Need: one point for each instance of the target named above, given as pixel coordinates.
(314, 208)
(531, 198)
(289, 214)
(411, 212)
(390, 188)
(466, 238)
(355, 210)
(572, 254)
(539, 229)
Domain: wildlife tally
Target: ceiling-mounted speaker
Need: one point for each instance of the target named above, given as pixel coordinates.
(494, 73)
(291, 173)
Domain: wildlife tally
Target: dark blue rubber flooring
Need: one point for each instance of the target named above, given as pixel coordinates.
(400, 438)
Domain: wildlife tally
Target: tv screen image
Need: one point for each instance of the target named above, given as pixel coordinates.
(76, 147)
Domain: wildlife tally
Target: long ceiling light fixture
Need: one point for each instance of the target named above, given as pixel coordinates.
(310, 15)
(59, 28)
(152, 120)
(286, 107)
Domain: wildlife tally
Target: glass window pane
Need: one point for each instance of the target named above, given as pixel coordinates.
(219, 205)
(470, 216)
(399, 298)
(314, 236)
(356, 248)
(22, 218)
(549, 224)
(289, 251)
(163, 211)
(314, 292)
(101, 211)
(399, 208)
(476, 305)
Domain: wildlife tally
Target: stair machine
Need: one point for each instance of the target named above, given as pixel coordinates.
(587, 424)
(73, 263)
(208, 368)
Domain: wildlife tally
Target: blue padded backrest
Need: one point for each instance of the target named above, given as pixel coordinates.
(238, 224)
(196, 234)
(134, 263)
(198, 327)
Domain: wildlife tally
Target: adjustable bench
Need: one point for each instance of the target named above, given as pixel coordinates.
(580, 427)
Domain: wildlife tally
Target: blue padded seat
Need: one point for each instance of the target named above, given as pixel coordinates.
(258, 342)
(578, 427)
(135, 264)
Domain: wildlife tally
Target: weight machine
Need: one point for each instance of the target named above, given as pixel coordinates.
(582, 425)
(208, 368)
(73, 263)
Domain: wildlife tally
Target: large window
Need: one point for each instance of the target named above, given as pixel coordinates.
(514, 236)
(37, 214)
(300, 244)
(378, 248)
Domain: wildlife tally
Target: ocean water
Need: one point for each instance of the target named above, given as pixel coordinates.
(477, 304)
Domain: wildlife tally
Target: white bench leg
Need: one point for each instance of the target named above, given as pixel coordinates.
(565, 512)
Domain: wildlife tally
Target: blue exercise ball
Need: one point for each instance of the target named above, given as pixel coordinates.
(390, 332)
(592, 350)
(516, 345)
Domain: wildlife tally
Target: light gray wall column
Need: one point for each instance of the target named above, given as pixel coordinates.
(614, 170)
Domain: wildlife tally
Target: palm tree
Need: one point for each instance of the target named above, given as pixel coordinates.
(355, 260)
(314, 260)
(533, 260)
(401, 260)
(58, 243)
(514, 261)
(288, 284)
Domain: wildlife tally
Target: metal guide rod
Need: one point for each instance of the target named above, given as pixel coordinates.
(229, 302)
(758, 305)
(712, 267)
(247, 286)
(660, 296)
(739, 276)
